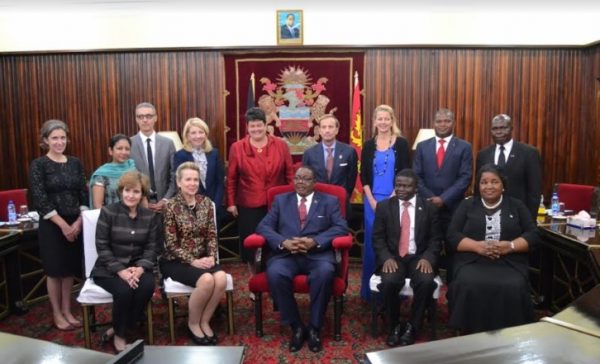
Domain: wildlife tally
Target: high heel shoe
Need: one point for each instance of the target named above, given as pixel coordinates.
(107, 336)
(212, 340)
(203, 341)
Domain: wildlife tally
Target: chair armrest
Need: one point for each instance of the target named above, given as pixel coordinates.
(254, 241)
(342, 242)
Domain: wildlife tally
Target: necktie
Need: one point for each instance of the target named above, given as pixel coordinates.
(150, 165)
(440, 153)
(501, 157)
(404, 229)
(302, 212)
(329, 164)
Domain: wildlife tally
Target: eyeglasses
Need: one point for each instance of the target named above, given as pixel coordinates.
(303, 179)
(147, 116)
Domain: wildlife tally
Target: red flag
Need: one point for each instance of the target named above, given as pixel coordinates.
(356, 137)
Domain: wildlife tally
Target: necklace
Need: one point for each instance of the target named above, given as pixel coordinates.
(385, 161)
(492, 206)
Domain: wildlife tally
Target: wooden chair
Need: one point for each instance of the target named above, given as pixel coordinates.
(91, 294)
(258, 282)
(406, 291)
(174, 289)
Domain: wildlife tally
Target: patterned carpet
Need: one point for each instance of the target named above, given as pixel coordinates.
(271, 348)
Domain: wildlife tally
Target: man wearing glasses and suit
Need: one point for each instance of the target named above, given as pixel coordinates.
(153, 155)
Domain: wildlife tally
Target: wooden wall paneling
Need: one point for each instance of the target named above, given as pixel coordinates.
(552, 94)
(541, 89)
(96, 94)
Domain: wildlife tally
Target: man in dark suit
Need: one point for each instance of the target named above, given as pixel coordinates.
(520, 163)
(333, 161)
(148, 143)
(444, 165)
(300, 241)
(407, 241)
(289, 30)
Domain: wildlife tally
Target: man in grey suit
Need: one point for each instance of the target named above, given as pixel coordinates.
(519, 162)
(334, 162)
(153, 155)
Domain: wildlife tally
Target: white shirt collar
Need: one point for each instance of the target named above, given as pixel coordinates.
(308, 200)
(152, 137)
(446, 139)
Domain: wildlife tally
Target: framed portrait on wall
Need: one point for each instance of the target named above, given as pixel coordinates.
(290, 28)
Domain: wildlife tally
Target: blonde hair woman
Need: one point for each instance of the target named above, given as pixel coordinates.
(382, 157)
(190, 255)
(198, 149)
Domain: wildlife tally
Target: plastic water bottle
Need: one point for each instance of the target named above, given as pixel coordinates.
(12, 212)
(555, 204)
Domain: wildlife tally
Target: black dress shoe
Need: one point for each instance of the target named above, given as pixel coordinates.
(203, 341)
(297, 339)
(314, 340)
(408, 337)
(394, 338)
(212, 340)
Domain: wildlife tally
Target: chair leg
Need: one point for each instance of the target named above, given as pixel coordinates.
(337, 318)
(171, 310)
(93, 323)
(149, 323)
(258, 313)
(374, 322)
(230, 321)
(86, 326)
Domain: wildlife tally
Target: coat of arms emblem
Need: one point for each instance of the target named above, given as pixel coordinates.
(293, 105)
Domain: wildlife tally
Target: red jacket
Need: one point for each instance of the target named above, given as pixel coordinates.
(248, 178)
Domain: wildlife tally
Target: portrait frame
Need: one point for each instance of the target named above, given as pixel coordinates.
(284, 36)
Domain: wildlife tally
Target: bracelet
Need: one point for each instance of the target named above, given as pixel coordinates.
(512, 245)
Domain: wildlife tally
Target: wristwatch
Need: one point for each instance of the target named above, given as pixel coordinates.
(512, 245)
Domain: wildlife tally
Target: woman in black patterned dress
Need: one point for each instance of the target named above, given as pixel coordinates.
(58, 191)
(190, 255)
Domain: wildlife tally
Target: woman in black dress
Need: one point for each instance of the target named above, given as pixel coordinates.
(190, 255)
(492, 235)
(58, 191)
(126, 236)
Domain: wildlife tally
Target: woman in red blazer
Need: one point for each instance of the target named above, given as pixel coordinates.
(256, 163)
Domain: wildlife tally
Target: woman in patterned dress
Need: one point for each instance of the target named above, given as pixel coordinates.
(190, 255)
(58, 191)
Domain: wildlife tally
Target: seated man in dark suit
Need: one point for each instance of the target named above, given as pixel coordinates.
(299, 229)
(407, 241)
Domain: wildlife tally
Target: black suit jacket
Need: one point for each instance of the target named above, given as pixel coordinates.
(523, 171)
(386, 231)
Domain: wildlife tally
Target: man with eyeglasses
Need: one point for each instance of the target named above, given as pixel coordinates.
(519, 162)
(153, 154)
(300, 241)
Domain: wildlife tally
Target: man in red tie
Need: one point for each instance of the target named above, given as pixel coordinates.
(299, 229)
(444, 165)
(407, 241)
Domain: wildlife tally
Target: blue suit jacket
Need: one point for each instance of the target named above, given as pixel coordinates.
(215, 174)
(323, 223)
(451, 180)
(345, 165)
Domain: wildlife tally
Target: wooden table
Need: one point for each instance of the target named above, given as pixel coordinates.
(572, 336)
(570, 260)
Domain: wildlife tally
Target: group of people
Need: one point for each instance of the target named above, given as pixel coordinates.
(158, 202)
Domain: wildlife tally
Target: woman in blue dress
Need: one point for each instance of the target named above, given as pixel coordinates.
(382, 157)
